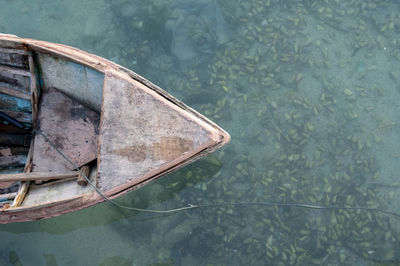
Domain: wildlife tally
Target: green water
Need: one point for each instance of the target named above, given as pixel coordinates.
(309, 91)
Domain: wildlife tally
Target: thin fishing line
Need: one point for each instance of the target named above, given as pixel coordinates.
(299, 205)
(212, 205)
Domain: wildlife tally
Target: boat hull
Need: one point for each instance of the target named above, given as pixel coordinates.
(133, 152)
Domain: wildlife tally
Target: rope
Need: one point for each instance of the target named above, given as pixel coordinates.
(299, 205)
(190, 206)
(212, 205)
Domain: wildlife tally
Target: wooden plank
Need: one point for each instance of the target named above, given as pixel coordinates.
(17, 82)
(15, 71)
(13, 51)
(12, 103)
(75, 80)
(12, 161)
(13, 151)
(10, 41)
(6, 184)
(8, 196)
(56, 191)
(28, 164)
(23, 189)
(11, 129)
(142, 134)
(72, 127)
(34, 91)
(20, 116)
(14, 60)
(9, 139)
(11, 122)
(81, 179)
(15, 93)
(38, 176)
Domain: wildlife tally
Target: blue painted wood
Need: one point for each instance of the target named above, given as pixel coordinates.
(17, 82)
(14, 107)
(14, 60)
(15, 104)
(75, 80)
(12, 170)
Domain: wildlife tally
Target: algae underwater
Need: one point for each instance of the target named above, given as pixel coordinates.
(307, 89)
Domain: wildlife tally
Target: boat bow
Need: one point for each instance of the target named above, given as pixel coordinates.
(143, 135)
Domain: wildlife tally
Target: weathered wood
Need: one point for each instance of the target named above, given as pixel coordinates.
(5, 152)
(15, 71)
(56, 191)
(44, 176)
(15, 93)
(17, 82)
(13, 51)
(11, 188)
(142, 135)
(34, 91)
(12, 129)
(12, 161)
(8, 196)
(9, 139)
(13, 151)
(28, 164)
(38, 182)
(62, 197)
(23, 189)
(14, 104)
(81, 179)
(5, 184)
(14, 60)
(20, 116)
(75, 80)
(72, 127)
(10, 121)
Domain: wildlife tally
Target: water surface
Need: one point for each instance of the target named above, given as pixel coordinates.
(309, 91)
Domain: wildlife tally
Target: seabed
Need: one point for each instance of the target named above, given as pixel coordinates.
(309, 91)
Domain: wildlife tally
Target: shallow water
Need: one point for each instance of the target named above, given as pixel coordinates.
(309, 91)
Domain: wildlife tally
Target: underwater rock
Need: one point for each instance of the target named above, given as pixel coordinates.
(196, 29)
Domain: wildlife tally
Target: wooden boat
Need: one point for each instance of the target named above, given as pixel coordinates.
(121, 130)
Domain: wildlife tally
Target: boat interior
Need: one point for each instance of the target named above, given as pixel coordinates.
(61, 99)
